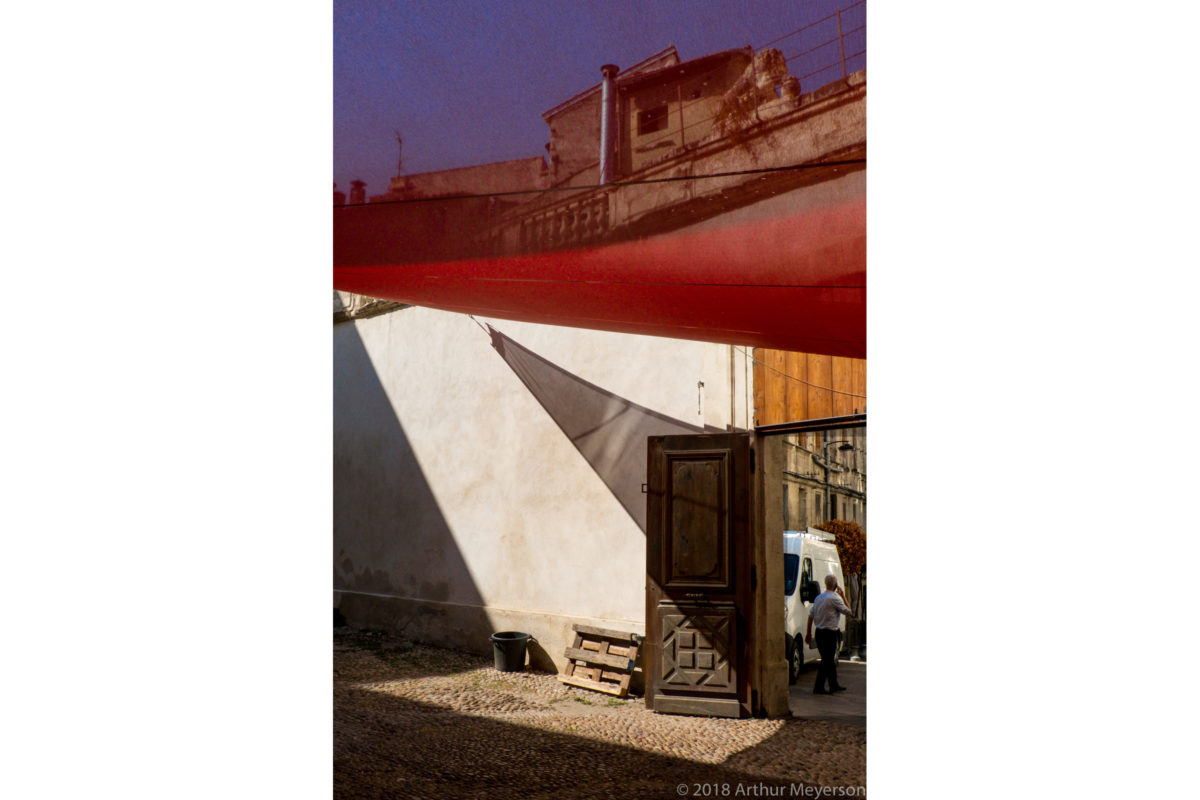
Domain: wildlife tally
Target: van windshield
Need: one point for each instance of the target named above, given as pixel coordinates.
(791, 566)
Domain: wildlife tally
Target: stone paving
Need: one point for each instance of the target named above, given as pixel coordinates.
(413, 721)
(848, 708)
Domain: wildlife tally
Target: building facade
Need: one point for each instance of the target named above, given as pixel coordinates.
(461, 507)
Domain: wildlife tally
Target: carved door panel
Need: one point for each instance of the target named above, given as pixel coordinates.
(698, 577)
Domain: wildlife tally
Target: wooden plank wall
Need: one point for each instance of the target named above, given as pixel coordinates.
(795, 386)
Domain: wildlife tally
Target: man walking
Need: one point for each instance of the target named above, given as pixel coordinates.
(825, 610)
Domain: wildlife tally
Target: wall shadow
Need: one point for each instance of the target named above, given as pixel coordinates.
(396, 563)
(539, 657)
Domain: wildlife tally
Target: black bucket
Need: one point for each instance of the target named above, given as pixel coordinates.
(509, 649)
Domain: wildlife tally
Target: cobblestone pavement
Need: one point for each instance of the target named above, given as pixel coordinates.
(413, 721)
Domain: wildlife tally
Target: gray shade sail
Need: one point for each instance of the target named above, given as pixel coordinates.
(609, 431)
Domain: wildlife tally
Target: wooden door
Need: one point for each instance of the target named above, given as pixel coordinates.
(698, 574)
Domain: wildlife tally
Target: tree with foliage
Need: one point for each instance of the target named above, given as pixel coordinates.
(851, 544)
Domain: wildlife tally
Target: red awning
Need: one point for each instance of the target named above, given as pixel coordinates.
(795, 282)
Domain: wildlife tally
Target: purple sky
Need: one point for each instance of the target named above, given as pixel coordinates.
(466, 82)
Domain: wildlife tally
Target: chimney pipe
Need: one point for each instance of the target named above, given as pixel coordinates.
(608, 122)
(358, 193)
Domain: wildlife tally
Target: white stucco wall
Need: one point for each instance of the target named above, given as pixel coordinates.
(511, 529)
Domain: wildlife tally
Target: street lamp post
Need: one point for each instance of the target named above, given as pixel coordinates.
(846, 446)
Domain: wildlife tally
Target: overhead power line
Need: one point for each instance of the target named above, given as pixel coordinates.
(744, 352)
(794, 378)
(810, 25)
(580, 188)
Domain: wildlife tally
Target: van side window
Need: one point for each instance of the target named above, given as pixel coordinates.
(806, 574)
(791, 565)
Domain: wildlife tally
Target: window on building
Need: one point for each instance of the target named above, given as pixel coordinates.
(652, 119)
(833, 507)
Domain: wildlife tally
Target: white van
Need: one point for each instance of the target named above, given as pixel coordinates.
(807, 558)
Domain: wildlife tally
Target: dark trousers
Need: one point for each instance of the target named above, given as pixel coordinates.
(827, 641)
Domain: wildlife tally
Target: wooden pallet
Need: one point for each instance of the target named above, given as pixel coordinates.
(601, 659)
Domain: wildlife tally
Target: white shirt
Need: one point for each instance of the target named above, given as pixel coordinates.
(825, 610)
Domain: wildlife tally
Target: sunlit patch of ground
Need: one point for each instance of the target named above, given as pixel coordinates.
(445, 724)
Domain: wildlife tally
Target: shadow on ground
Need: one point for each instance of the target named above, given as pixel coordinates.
(409, 723)
(395, 657)
(389, 747)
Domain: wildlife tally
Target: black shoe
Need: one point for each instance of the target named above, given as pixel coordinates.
(837, 689)
(821, 691)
